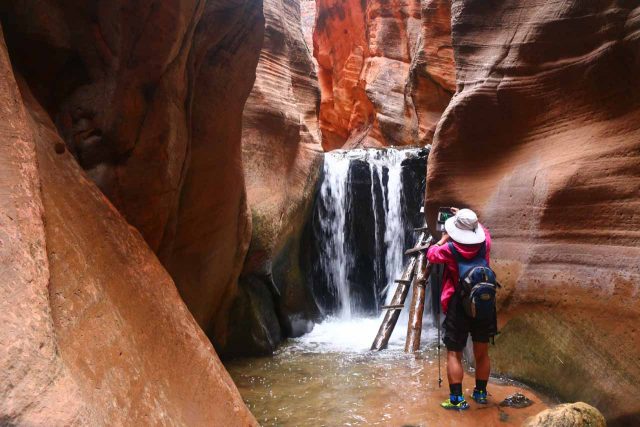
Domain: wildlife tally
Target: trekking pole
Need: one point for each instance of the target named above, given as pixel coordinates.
(439, 369)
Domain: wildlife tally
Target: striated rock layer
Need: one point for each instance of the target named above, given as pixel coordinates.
(385, 70)
(543, 139)
(281, 153)
(94, 330)
(308, 20)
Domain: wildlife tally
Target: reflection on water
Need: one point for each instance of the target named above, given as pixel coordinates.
(330, 378)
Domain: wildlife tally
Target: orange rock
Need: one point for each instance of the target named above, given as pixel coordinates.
(35, 384)
(542, 138)
(94, 330)
(307, 20)
(385, 71)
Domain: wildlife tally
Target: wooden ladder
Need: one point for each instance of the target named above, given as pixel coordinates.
(415, 273)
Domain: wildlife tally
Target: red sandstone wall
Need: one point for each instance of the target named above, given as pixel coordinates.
(282, 157)
(94, 330)
(542, 138)
(385, 71)
(148, 97)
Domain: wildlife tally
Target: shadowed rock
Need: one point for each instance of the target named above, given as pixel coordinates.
(148, 97)
(94, 330)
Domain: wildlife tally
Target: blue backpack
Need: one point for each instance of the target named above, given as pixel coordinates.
(478, 284)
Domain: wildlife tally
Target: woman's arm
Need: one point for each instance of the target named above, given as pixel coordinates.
(439, 253)
(444, 239)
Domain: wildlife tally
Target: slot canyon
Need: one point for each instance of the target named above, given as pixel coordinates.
(206, 203)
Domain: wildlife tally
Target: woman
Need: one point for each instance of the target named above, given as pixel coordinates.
(464, 240)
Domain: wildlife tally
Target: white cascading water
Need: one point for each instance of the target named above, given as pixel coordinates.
(393, 203)
(346, 329)
(336, 259)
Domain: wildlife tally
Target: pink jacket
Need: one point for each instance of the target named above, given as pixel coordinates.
(442, 255)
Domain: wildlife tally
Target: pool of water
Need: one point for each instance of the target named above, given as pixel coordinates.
(330, 378)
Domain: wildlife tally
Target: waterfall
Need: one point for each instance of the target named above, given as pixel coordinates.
(336, 259)
(363, 219)
(393, 204)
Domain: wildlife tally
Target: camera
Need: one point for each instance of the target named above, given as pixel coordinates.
(443, 215)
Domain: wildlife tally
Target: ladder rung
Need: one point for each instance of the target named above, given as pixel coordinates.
(417, 249)
(393, 307)
(425, 228)
(402, 281)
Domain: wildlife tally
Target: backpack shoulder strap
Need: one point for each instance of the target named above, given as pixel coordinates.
(483, 249)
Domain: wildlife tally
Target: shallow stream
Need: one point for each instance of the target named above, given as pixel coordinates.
(367, 207)
(330, 378)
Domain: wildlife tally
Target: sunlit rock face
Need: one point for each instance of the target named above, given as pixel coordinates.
(308, 21)
(385, 70)
(282, 156)
(93, 331)
(542, 138)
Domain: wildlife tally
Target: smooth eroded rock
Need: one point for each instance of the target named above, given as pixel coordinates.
(35, 384)
(542, 138)
(96, 331)
(281, 155)
(569, 415)
(148, 97)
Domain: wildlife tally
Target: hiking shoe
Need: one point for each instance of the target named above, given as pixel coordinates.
(480, 396)
(460, 405)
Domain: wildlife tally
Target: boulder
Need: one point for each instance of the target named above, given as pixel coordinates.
(542, 139)
(569, 415)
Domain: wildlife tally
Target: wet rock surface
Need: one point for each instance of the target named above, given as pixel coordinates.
(517, 400)
(541, 138)
(367, 272)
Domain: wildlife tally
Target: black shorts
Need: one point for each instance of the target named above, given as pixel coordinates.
(457, 326)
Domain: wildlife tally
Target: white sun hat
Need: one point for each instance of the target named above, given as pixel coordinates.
(464, 228)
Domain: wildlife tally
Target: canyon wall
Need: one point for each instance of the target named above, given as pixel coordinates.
(385, 71)
(94, 330)
(308, 21)
(148, 97)
(151, 100)
(282, 156)
(542, 138)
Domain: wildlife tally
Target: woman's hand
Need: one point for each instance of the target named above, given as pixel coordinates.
(454, 210)
(444, 239)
